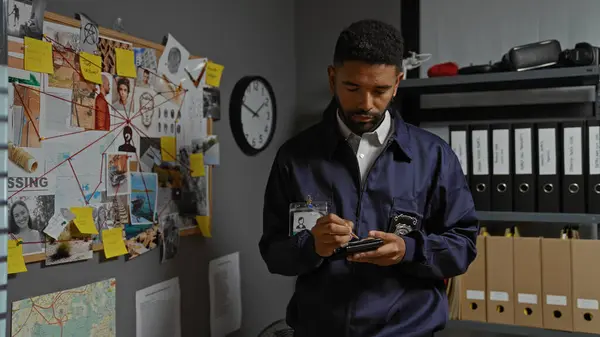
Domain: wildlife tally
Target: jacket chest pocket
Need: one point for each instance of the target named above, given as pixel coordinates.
(405, 216)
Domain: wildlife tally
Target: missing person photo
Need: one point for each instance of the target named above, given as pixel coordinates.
(28, 216)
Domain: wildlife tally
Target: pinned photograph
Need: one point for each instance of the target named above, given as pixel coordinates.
(103, 96)
(26, 18)
(142, 200)
(173, 60)
(169, 233)
(119, 212)
(117, 173)
(145, 60)
(70, 247)
(83, 112)
(24, 117)
(212, 103)
(122, 98)
(107, 47)
(141, 239)
(19, 13)
(27, 219)
(64, 41)
(194, 191)
(209, 146)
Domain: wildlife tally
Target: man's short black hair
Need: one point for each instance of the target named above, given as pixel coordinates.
(370, 41)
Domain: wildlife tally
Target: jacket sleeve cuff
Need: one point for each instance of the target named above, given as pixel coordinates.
(307, 250)
(410, 253)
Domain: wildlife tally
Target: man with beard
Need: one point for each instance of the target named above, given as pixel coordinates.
(382, 178)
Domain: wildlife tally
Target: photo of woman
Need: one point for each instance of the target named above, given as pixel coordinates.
(21, 226)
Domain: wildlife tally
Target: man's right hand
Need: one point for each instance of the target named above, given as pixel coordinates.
(331, 232)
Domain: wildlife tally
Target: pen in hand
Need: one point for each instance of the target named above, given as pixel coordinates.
(351, 231)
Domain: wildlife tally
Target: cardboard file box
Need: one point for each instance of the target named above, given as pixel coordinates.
(499, 278)
(472, 295)
(586, 285)
(528, 281)
(556, 284)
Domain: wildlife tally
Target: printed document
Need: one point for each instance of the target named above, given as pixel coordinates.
(225, 295)
(158, 310)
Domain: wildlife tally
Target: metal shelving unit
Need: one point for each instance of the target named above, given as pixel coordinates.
(582, 219)
(545, 94)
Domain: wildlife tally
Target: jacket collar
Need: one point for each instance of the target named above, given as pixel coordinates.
(333, 136)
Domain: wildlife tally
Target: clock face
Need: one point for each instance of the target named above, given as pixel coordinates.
(257, 114)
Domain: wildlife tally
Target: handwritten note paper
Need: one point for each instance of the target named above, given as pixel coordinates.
(204, 225)
(197, 164)
(84, 220)
(38, 56)
(213, 74)
(114, 243)
(91, 67)
(16, 262)
(125, 63)
(168, 148)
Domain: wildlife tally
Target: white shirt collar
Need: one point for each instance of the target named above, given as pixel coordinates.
(381, 132)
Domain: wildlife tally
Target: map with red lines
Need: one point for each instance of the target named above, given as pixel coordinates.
(84, 311)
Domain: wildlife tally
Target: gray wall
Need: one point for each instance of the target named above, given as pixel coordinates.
(318, 24)
(479, 31)
(248, 37)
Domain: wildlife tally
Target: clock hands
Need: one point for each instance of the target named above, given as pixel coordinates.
(254, 113)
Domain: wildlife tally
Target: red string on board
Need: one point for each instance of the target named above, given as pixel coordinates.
(114, 128)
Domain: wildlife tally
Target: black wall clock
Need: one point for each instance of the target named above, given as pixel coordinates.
(252, 114)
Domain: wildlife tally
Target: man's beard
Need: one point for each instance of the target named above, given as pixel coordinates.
(359, 127)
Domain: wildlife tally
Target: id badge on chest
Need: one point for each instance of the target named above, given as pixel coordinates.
(304, 215)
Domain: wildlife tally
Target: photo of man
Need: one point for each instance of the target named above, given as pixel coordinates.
(102, 120)
(300, 226)
(122, 94)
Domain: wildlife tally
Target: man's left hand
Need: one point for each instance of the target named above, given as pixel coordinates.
(390, 253)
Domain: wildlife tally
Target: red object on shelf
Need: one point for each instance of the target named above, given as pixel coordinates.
(443, 69)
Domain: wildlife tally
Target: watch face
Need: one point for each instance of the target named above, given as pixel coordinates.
(257, 114)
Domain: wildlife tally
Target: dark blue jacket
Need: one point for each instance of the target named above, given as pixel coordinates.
(417, 175)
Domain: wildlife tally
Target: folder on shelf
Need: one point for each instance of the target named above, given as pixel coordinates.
(528, 281)
(499, 279)
(480, 169)
(473, 288)
(524, 169)
(556, 284)
(502, 182)
(586, 292)
(459, 141)
(548, 184)
(593, 187)
(573, 179)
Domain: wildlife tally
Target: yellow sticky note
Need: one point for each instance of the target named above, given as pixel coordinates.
(84, 220)
(91, 67)
(125, 63)
(114, 244)
(213, 74)
(168, 149)
(38, 56)
(204, 225)
(16, 262)
(197, 164)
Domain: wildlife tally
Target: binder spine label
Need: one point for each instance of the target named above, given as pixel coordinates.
(500, 141)
(594, 146)
(547, 151)
(523, 155)
(556, 300)
(573, 151)
(479, 142)
(586, 304)
(527, 298)
(458, 142)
